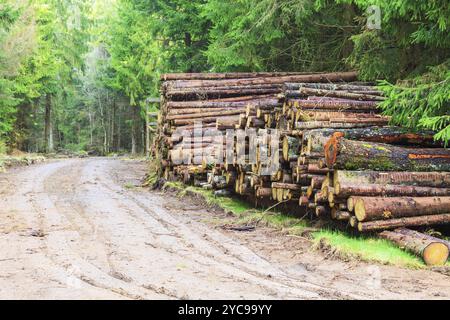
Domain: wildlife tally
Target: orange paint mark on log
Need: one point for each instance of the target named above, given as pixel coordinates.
(428, 156)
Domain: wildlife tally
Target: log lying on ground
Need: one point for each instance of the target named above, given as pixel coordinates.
(433, 251)
(376, 208)
(421, 221)
(421, 179)
(347, 154)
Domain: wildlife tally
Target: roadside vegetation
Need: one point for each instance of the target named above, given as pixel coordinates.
(336, 243)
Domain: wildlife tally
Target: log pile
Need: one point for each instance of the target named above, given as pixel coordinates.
(333, 152)
(388, 180)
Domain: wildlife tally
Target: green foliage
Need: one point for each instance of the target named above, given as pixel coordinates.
(369, 249)
(277, 35)
(98, 61)
(422, 102)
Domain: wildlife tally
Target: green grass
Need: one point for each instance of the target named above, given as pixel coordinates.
(229, 204)
(366, 248)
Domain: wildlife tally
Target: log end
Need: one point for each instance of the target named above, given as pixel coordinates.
(360, 210)
(436, 254)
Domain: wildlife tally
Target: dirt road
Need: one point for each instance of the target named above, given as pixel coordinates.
(78, 229)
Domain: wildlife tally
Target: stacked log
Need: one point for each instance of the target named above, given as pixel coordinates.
(336, 156)
(388, 180)
(243, 101)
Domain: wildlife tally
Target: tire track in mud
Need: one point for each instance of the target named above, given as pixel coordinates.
(128, 243)
(223, 250)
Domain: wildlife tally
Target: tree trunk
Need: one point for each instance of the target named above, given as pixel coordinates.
(432, 250)
(375, 208)
(134, 132)
(48, 130)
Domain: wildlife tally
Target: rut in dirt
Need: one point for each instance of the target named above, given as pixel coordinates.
(83, 229)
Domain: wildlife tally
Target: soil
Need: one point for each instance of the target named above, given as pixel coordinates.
(85, 229)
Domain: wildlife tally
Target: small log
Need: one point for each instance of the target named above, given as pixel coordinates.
(420, 221)
(288, 186)
(378, 190)
(341, 215)
(430, 249)
(421, 179)
(375, 208)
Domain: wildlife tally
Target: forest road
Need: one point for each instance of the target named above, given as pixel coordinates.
(84, 229)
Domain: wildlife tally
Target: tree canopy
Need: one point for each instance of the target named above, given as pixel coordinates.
(75, 74)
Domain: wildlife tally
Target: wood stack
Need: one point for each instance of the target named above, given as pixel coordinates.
(379, 186)
(337, 157)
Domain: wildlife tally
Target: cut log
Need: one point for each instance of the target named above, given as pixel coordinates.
(346, 154)
(421, 221)
(421, 179)
(392, 135)
(367, 106)
(341, 215)
(331, 86)
(229, 75)
(378, 190)
(375, 208)
(342, 124)
(302, 92)
(432, 250)
(287, 186)
(263, 192)
(324, 77)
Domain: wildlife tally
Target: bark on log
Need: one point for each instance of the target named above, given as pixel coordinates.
(346, 154)
(433, 251)
(342, 124)
(420, 179)
(335, 105)
(229, 75)
(374, 208)
(329, 86)
(304, 92)
(323, 77)
(421, 221)
(378, 190)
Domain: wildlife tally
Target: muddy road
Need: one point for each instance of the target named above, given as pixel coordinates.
(80, 229)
